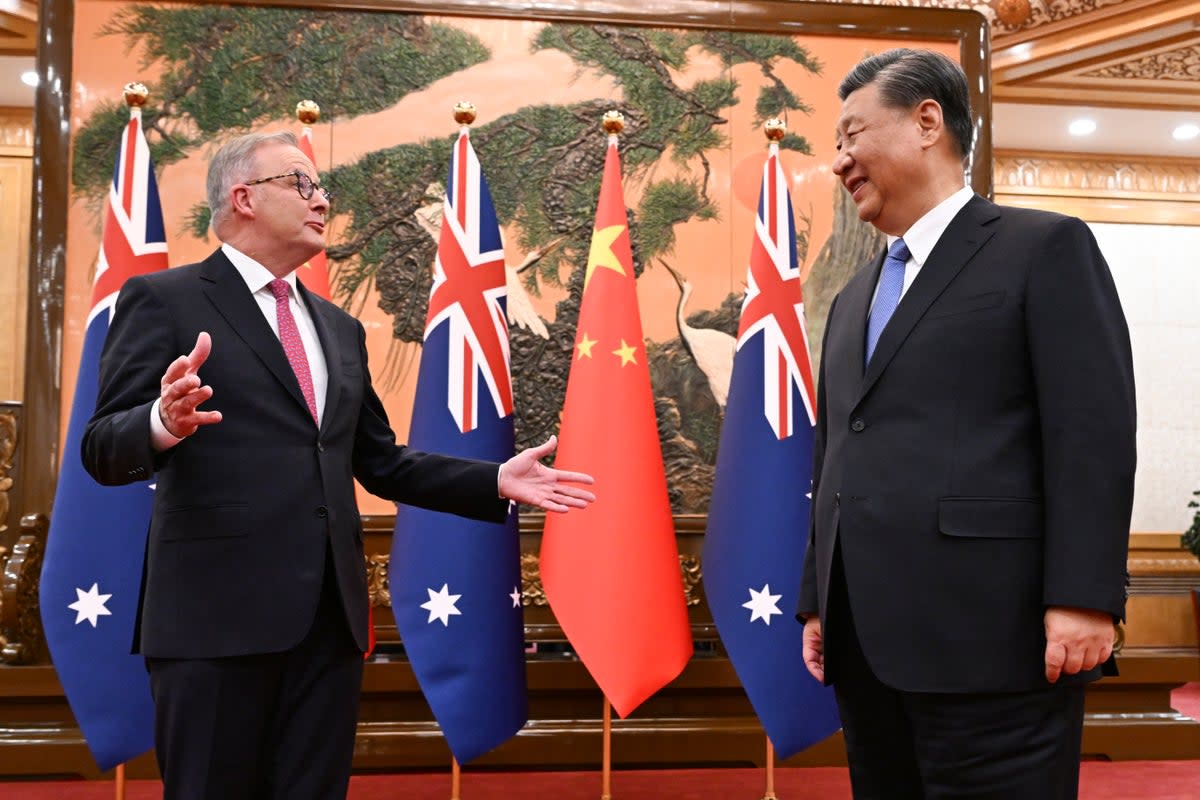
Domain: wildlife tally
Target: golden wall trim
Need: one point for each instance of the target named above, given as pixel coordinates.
(1102, 188)
(1181, 64)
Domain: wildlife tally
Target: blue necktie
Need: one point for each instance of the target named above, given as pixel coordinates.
(891, 281)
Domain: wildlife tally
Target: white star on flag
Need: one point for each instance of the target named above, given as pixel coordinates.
(441, 605)
(90, 605)
(763, 604)
(516, 597)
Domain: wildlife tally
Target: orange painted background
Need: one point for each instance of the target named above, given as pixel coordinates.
(711, 254)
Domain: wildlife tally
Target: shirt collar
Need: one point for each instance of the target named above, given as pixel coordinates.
(923, 236)
(253, 273)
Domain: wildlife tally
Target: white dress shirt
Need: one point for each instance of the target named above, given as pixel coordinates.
(258, 278)
(924, 234)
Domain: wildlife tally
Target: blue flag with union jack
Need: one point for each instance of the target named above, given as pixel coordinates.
(455, 582)
(93, 567)
(759, 517)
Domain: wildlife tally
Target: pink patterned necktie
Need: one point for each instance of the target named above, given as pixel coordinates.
(289, 335)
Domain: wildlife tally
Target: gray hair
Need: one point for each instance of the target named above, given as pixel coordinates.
(233, 164)
(907, 77)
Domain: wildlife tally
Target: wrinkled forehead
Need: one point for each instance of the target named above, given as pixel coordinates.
(278, 158)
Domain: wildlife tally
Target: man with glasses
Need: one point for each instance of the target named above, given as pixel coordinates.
(254, 608)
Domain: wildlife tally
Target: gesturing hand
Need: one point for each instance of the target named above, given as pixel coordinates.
(1077, 639)
(525, 479)
(181, 392)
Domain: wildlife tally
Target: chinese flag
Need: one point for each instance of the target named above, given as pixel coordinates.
(314, 273)
(611, 570)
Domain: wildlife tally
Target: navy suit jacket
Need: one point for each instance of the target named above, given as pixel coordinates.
(981, 468)
(245, 509)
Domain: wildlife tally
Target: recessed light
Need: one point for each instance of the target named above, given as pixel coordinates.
(1082, 127)
(1186, 131)
(29, 78)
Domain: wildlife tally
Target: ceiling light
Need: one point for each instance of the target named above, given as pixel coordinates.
(29, 78)
(1082, 127)
(1186, 131)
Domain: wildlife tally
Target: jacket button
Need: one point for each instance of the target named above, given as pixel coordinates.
(322, 512)
(837, 498)
(320, 447)
(858, 426)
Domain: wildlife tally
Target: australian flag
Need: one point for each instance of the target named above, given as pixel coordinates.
(93, 567)
(759, 517)
(455, 582)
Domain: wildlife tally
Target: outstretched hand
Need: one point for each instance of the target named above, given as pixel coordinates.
(182, 391)
(525, 479)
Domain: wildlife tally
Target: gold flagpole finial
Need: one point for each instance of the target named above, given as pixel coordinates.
(308, 112)
(774, 129)
(613, 122)
(136, 94)
(464, 112)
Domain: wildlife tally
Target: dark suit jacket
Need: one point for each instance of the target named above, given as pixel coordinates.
(245, 509)
(981, 468)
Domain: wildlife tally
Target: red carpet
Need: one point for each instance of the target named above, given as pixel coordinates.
(1129, 780)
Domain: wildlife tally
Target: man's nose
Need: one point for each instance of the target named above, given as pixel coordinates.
(319, 201)
(841, 163)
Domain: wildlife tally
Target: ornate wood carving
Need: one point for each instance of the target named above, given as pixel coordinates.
(532, 591)
(377, 579)
(8, 451)
(1097, 175)
(1175, 65)
(22, 640)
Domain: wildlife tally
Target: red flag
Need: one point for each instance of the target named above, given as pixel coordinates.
(611, 570)
(314, 273)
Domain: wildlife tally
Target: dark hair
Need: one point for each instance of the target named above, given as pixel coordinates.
(906, 77)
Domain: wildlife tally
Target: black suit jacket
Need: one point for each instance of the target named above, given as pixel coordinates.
(981, 468)
(245, 509)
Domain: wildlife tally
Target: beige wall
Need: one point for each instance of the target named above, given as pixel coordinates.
(1145, 213)
(16, 184)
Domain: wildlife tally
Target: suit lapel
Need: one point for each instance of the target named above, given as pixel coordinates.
(963, 237)
(856, 300)
(232, 300)
(325, 321)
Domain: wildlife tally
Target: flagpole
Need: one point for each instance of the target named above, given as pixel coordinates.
(770, 792)
(119, 782)
(455, 778)
(606, 762)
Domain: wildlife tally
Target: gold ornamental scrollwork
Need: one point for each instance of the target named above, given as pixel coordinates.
(378, 593)
(8, 449)
(1175, 65)
(534, 594)
(1097, 176)
(689, 565)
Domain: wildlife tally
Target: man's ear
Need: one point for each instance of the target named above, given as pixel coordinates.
(240, 202)
(929, 119)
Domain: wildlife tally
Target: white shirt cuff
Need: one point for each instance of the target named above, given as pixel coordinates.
(160, 437)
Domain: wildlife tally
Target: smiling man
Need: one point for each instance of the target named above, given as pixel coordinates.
(253, 614)
(973, 466)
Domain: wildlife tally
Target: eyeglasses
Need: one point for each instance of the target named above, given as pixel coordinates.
(304, 184)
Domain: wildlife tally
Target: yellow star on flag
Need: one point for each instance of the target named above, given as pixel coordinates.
(601, 254)
(585, 346)
(627, 353)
